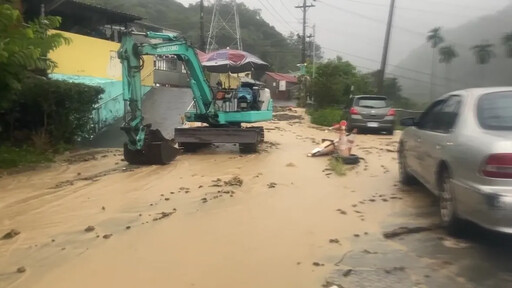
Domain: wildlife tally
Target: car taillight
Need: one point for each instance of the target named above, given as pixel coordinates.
(498, 166)
(391, 112)
(353, 111)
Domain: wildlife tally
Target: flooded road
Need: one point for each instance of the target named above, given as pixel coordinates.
(219, 219)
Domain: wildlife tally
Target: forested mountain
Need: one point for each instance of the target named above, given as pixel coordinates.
(258, 36)
(463, 71)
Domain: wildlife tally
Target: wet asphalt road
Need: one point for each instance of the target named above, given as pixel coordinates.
(476, 258)
(481, 257)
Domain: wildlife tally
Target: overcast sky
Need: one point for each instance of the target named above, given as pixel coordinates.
(355, 29)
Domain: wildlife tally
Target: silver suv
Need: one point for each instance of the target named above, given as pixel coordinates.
(371, 113)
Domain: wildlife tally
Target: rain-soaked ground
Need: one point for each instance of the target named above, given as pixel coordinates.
(219, 219)
(475, 258)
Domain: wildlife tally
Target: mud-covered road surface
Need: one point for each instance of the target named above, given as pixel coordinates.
(219, 219)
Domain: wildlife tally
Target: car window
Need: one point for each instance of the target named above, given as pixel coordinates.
(427, 120)
(371, 102)
(494, 111)
(447, 116)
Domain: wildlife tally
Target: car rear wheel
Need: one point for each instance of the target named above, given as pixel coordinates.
(406, 178)
(447, 207)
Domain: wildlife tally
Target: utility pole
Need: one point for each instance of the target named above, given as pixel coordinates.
(202, 44)
(304, 9)
(382, 71)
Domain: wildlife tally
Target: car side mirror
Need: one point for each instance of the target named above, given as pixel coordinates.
(408, 122)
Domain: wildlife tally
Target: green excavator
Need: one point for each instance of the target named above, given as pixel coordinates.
(224, 114)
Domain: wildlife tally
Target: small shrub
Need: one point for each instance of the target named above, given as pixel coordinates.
(11, 157)
(326, 117)
(337, 166)
(58, 110)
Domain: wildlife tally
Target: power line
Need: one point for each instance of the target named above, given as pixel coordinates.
(274, 16)
(393, 65)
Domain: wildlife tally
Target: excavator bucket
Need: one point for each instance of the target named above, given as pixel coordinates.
(157, 150)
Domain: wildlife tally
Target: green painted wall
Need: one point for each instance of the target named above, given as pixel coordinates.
(111, 104)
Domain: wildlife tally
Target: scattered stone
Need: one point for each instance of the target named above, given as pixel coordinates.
(354, 205)
(318, 264)
(347, 272)
(357, 235)
(235, 181)
(128, 227)
(140, 215)
(342, 212)
(89, 228)
(291, 165)
(107, 236)
(358, 212)
(329, 284)
(298, 263)
(53, 240)
(162, 195)
(166, 199)
(365, 233)
(369, 252)
(21, 269)
(405, 230)
(11, 234)
(272, 185)
(334, 241)
(64, 248)
(163, 215)
(78, 174)
(384, 200)
(103, 208)
(395, 269)
(371, 200)
(200, 186)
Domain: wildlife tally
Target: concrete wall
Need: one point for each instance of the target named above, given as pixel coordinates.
(171, 78)
(94, 61)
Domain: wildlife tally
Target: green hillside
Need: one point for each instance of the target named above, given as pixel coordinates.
(258, 36)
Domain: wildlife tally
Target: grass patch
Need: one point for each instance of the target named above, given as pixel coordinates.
(326, 117)
(12, 157)
(337, 166)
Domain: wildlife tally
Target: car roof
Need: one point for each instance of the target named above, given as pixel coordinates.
(378, 96)
(475, 92)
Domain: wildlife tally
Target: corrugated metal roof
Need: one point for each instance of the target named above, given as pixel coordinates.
(283, 77)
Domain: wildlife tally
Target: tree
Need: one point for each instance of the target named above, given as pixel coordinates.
(334, 81)
(507, 42)
(483, 55)
(23, 48)
(446, 55)
(435, 39)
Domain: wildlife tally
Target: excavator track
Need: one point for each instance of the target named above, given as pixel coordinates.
(191, 139)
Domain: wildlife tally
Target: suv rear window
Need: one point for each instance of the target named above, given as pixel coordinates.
(371, 102)
(495, 111)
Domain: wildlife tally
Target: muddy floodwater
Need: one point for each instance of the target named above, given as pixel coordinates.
(219, 219)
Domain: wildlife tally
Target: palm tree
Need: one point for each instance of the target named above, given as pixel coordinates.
(507, 42)
(483, 55)
(435, 39)
(446, 55)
